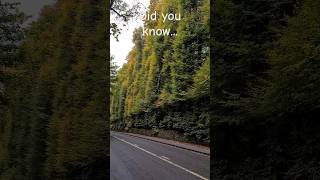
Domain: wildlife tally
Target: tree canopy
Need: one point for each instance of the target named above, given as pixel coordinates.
(265, 100)
(164, 70)
(56, 123)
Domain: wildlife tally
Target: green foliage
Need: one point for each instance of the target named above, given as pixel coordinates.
(275, 102)
(295, 59)
(201, 79)
(56, 119)
(163, 70)
(189, 118)
(12, 33)
(243, 34)
(12, 128)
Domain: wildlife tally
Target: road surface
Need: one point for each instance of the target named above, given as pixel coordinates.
(134, 158)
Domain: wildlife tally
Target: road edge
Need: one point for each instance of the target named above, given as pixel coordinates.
(170, 144)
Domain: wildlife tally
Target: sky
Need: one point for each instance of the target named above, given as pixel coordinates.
(121, 48)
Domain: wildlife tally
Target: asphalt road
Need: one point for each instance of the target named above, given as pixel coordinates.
(134, 158)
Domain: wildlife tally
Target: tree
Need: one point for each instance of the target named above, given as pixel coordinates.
(56, 119)
(123, 13)
(12, 33)
(11, 133)
(295, 63)
(243, 34)
(163, 72)
(275, 106)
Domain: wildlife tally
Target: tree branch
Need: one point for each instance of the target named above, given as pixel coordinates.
(121, 15)
(111, 3)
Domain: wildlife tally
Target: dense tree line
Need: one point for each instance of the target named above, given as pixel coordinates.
(55, 124)
(265, 89)
(164, 70)
(11, 34)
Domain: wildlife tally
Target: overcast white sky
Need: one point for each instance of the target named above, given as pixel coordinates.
(121, 49)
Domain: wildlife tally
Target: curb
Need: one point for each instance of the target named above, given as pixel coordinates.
(200, 152)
